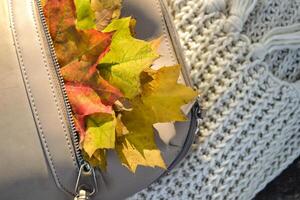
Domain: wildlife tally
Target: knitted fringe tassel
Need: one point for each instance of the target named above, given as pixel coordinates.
(277, 39)
(239, 12)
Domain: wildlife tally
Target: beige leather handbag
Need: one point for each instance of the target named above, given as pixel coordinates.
(40, 156)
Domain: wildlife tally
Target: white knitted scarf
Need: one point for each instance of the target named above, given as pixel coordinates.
(244, 59)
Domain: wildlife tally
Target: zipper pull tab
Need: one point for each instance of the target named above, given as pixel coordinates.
(82, 195)
(86, 184)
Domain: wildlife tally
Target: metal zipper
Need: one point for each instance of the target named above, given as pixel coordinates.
(73, 131)
(86, 184)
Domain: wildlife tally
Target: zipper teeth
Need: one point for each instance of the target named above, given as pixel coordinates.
(74, 134)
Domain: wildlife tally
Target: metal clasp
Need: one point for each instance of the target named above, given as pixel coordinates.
(86, 184)
(82, 195)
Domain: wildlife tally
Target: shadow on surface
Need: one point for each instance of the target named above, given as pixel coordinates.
(146, 27)
(285, 187)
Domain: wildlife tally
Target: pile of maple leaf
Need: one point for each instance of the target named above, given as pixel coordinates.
(115, 95)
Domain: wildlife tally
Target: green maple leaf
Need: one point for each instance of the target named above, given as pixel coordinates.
(100, 133)
(96, 14)
(126, 59)
(85, 15)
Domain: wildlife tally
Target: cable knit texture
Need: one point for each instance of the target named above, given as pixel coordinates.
(251, 104)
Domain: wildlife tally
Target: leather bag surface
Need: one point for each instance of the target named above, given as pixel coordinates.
(37, 156)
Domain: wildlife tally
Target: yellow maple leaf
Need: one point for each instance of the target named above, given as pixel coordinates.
(164, 96)
(98, 159)
(160, 101)
(100, 133)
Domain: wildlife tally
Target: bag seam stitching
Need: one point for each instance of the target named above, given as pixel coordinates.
(165, 32)
(31, 98)
(51, 85)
